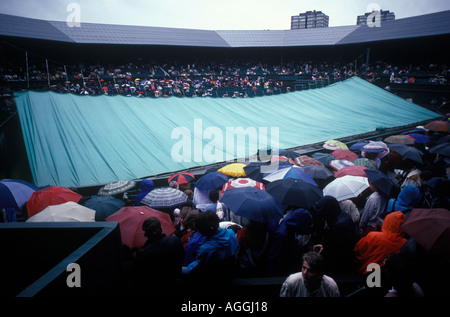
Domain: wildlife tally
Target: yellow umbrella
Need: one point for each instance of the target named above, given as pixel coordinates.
(334, 145)
(233, 169)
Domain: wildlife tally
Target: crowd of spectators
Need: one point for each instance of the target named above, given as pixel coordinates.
(230, 78)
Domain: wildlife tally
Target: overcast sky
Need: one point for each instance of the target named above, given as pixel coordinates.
(214, 14)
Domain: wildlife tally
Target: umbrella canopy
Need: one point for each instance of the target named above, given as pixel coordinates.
(66, 212)
(334, 145)
(364, 162)
(375, 147)
(324, 158)
(317, 172)
(116, 188)
(355, 170)
(437, 126)
(419, 138)
(431, 229)
(304, 160)
(54, 195)
(130, 220)
(294, 192)
(342, 154)
(182, 178)
(358, 145)
(253, 170)
(288, 153)
(104, 206)
(399, 139)
(253, 203)
(233, 169)
(242, 182)
(382, 182)
(212, 180)
(15, 193)
(165, 197)
(340, 164)
(346, 187)
(290, 172)
(443, 148)
(407, 152)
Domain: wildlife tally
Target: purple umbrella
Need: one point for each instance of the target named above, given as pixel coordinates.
(15, 193)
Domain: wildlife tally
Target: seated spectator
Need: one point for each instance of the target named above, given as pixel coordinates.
(436, 193)
(217, 251)
(376, 246)
(159, 263)
(218, 207)
(185, 226)
(147, 185)
(373, 208)
(252, 255)
(350, 207)
(311, 281)
(337, 238)
(407, 199)
(285, 247)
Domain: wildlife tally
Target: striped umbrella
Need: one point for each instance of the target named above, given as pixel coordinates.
(165, 197)
(182, 178)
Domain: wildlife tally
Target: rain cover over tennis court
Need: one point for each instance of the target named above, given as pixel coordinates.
(74, 140)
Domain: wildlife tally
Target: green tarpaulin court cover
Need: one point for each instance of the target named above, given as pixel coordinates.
(74, 140)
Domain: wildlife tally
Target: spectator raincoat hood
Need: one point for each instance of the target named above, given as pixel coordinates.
(407, 199)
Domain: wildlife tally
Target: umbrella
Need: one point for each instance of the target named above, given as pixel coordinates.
(281, 160)
(233, 169)
(253, 170)
(116, 188)
(290, 172)
(340, 164)
(407, 152)
(130, 220)
(15, 193)
(364, 162)
(242, 182)
(399, 139)
(443, 148)
(342, 154)
(436, 126)
(182, 178)
(104, 206)
(382, 182)
(212, 180)
(165, 197)
(334, 145)
(317, 172)
(53, 195)
(324, 158)
(355, 170)
(66, 212)
(358, 145)
(419, 138)
(346, 187)
(294, 192)
(253, 203)
(375, 147)
(431, 229)
(304, 160)
(288, 153)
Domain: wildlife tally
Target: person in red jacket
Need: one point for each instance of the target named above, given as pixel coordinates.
(376, 246)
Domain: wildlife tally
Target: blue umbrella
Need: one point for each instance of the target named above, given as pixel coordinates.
(104, 206)
(15, 193)
(212, 180)
(382, 182)
(290, 172)
(294, 192)
(419, 138)
(253, 203)
(324, 158)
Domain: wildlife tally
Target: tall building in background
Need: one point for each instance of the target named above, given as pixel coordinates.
(384, 15)
(309, 19)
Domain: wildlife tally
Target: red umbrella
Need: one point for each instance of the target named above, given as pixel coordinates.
(437, 126)
(182, 178)
(344, 154)
(303, 160)
(54, 195)
(431, 229)
(354, 170)
(242, 182)
(130, 222)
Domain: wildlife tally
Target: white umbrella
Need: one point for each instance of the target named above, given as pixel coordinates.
(67, 212)
(346, 187)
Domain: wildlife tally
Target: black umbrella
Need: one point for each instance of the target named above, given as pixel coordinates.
(294, 192)
(382, 182)
(253, 170)
(443, 148)
(408, 152)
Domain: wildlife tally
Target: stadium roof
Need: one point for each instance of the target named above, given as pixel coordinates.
(92, 33)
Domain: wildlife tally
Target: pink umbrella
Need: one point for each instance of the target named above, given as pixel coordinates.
(343, 154)
(355, 170)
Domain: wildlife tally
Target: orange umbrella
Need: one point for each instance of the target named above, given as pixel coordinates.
(437, 126)
(54, 195)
